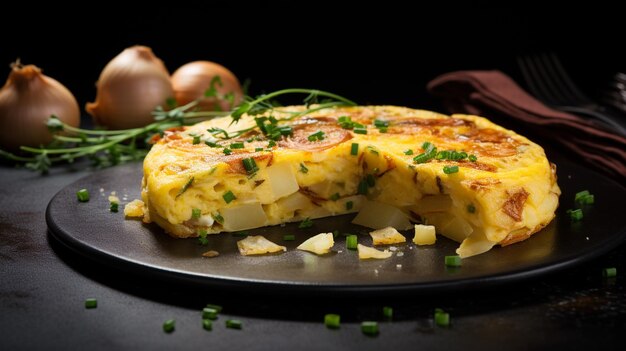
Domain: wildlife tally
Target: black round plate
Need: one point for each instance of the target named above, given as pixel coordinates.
(92, 230)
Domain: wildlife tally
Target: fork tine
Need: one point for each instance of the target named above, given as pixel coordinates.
(551, 81)
(568, 82)
(542, 91)
(534, 80)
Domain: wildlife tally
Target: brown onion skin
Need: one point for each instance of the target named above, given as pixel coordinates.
(191, 80)
(27, 100)
(130, 87)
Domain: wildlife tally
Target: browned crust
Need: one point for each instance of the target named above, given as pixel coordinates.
(516, 237)
(333, 135)
(514, 205)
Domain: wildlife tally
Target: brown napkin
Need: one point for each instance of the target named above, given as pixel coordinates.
(496, 96)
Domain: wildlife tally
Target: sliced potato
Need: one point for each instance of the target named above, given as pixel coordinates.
(257, 245)
(377, 215)
(246, 216)
(424, 234)
(319, 244)
(366, 252)
(387, 236)
(135, 208)
(282, 179)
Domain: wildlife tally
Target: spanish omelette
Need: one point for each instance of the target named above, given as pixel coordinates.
(476, 182)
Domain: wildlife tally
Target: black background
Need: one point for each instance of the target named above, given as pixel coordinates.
(383, 53)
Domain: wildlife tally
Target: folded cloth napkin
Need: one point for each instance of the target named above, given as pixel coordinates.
(496, 96)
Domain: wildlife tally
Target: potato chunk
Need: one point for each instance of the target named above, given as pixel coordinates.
(257, 245)
(366, 252)
(319, 244)
(387, 236)
(424, 234)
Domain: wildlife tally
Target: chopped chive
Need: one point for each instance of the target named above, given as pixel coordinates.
(351, 242)
(472, 158)
(360, 130)
(471, 208)
(354, 149)
(349, 205)
(209, 313)
(306, 223)
(227, 151)
(241, 234)
(207, 324)
(575, 215)
(317, 136)
(442, 318)
(211, 143)
(234, 324)
(362, 189)
(196, 213)
(383, 129)
(303, 168)
(250, 165)
(584, 198)
(289, 237)
(114, 206)
(169, 325)
(381, 123)
(580, 195)
(257, 149)
(408, 152)
(196, 140)
(335, 197)
(185, 187)
(450, 169)
(218, 308)
(421, 158)
(82, 195)
(371, 181)
(453, 261)
(609, 272)
(332, 321)
(202, 233)
(442, 155)
(218, 217)
(229, 197)
(91, 303)
(238, 145)
(387, 312)
(372, 149)
(369, 327)
(271, 143)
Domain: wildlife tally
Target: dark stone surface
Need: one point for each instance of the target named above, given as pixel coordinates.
(44, 285)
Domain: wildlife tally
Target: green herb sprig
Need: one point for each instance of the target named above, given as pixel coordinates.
(106, 148)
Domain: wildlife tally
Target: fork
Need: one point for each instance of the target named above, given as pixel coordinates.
(615, 95)
(549, 82)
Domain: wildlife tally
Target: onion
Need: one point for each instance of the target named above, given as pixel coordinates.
(192, 80)
(130, 87)
(27, 100)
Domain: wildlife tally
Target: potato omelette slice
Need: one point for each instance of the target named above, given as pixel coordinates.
(476, 182)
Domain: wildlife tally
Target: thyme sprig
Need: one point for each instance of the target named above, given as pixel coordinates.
(111, 147)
